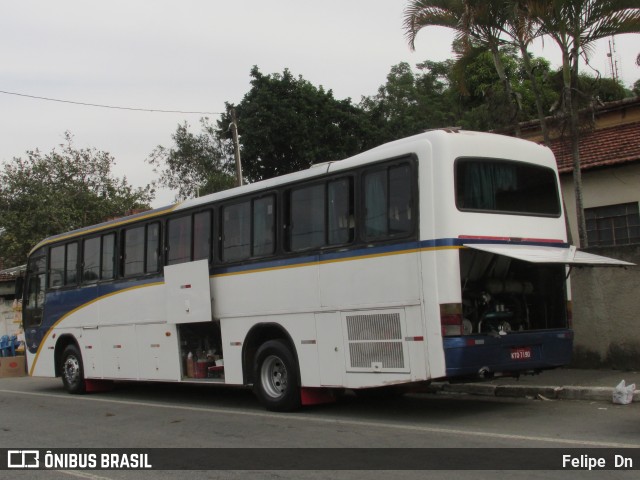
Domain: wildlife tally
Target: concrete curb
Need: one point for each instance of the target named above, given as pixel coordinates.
(531, 391)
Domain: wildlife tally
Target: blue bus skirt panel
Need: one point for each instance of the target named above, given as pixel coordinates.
(474, 355)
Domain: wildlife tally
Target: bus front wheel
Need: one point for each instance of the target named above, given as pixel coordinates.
(276, 377)
(72, 370)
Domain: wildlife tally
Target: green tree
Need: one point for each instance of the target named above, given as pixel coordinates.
(287, 124)
(575, 25)
(411, 102)
(197, 164)
(477, 24)
(68, 188)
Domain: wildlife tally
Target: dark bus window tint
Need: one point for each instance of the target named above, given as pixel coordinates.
(56, 267)
(307, 221)
(179, 237)
(376, 204)
(91, 260)
(201, 235)
(153, 247)
(134, 251)
(72, 264)
(236, 232)
(263, 226)
(501, 186)
(340, 211)
(34, 293)
(108, 256)
(400, 199)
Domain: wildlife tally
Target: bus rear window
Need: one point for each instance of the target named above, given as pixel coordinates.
(502, 186)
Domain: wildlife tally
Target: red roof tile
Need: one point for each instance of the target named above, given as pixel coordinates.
(600, 148)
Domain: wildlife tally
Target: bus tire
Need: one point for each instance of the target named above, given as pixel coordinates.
(72, 370)
(277, 381)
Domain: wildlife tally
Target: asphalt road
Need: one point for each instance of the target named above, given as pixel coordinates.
(37, 413)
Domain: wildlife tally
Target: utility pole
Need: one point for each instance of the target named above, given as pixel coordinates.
(236, 147)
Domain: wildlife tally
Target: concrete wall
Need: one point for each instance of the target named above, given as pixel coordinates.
(606, 312)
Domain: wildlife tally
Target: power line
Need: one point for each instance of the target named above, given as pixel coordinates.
(114, 107)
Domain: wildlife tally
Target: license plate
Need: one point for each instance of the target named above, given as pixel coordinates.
(521, 353)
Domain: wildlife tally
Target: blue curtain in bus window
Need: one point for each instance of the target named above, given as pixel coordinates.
(201, 235)
(56, 267)
(108, 256)
(375, 191)
(339, 214)
(307, 218)
(91, 260)
(153, 246)
(71, 277)
(179, 240)
(236, 232)
(134, 251)
(263, 226)
(485, 181)
(399, 200)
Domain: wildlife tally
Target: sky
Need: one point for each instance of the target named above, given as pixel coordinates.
(193, 56)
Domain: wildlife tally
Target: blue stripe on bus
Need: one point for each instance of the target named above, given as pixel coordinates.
(61, 302)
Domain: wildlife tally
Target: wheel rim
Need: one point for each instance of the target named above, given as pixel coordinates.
(71, 370)
(273, 376)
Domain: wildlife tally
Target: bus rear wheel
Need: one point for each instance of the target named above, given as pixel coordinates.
(72, 370)
(277, 382)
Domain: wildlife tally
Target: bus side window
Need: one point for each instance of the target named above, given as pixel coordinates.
(56, 266)
(202, 235)
(236, 232)
(133, 251)
(307, 217)
(340, 211)
(388, 198)
(264, 226)
(376, 204)
(91, 260)
(152, 248)
(400, 197)
(179, 240)
(107, 271)
(34, 294)
(71, 270)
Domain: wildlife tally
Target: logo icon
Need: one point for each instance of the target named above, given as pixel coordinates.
(23, 459)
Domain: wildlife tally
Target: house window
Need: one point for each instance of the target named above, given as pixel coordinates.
(613, 224)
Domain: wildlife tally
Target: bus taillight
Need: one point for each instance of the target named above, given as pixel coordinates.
(451, 319)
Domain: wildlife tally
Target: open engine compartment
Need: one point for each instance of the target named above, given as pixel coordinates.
(501, 294)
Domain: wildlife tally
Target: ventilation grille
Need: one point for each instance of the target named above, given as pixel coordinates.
(374, 327)
(375, 342)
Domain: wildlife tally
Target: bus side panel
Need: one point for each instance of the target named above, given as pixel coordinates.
(331, 350)
(300, 328)
(385, 277)
(126, 303)
(440, 279)
(286, 289)
(158, 355)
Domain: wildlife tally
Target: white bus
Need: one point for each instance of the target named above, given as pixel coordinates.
(440, 256)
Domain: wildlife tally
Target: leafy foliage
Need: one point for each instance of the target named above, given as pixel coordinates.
(68, 188)
(287, 124)
(197, 164)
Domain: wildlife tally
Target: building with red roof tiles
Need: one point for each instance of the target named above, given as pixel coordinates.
(610, 160)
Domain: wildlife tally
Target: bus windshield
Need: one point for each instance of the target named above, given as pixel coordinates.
(502, 186)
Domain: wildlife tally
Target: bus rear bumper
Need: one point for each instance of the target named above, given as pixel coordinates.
(485, 356)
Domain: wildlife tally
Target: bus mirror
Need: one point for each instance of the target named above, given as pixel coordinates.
(19, 287)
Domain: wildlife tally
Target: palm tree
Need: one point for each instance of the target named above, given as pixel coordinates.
(575, 25)
(521, 28)
(475, 22)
